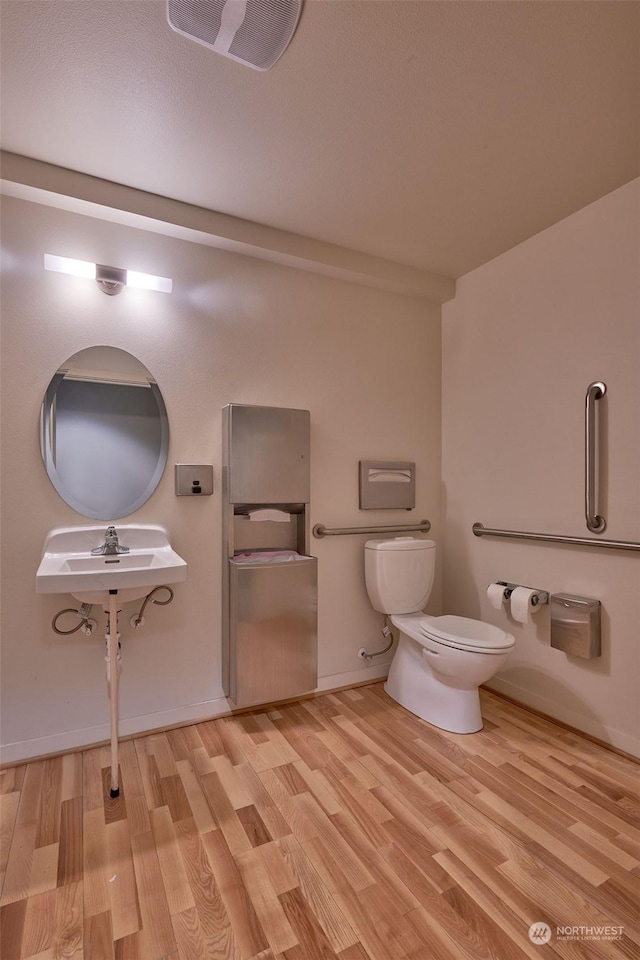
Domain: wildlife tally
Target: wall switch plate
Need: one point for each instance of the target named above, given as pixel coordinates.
(193, 479)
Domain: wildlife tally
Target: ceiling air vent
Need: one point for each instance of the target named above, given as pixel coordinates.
(253, 32)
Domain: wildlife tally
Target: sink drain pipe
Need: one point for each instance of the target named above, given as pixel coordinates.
(113, 638)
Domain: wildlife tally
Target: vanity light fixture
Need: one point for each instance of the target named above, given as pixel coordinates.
(111, 280)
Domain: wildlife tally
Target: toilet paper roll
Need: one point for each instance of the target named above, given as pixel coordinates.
(495, 593)
(521, 604)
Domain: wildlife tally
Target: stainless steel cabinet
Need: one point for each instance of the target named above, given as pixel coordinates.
(269, 630)
(273, 629)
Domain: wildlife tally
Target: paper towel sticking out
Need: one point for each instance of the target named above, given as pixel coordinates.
(521, 604)
(281, 516)
(495, 593)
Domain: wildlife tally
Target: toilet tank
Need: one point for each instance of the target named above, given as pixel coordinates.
(399, 573)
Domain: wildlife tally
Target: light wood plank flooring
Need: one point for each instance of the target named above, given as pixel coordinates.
(340, 826)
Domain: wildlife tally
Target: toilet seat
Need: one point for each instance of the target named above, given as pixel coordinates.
(463, 633)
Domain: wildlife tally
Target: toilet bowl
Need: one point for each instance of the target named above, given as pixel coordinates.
(439, 662)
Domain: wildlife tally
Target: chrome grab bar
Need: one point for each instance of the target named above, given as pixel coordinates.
(320, 531)
(481, 531)
(595, 522)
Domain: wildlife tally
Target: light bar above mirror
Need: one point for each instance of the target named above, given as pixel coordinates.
(111, 280)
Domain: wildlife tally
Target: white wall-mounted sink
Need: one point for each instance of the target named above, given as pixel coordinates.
(67, 565)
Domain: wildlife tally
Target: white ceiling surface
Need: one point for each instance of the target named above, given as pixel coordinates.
(433, 134)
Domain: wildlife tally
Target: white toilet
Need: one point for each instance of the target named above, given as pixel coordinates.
(440, 661)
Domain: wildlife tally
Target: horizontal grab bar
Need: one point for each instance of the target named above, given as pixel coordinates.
(321, 531)
(482, 531)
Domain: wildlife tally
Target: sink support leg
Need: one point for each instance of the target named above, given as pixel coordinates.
(113, 687)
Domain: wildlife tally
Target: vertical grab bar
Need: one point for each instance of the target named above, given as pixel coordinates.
(595, 522)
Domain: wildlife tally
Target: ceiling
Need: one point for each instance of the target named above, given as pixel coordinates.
(433, 134)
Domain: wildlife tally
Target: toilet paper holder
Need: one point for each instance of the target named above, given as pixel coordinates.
(539, 597)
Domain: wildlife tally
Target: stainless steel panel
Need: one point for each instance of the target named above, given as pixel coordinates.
(273, 630)
(387, 485)
(268, 454)
(193, 479)
(575, 625)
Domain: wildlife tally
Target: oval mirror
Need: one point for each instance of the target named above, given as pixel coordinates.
(104, 433)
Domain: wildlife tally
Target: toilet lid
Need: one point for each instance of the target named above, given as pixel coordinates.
(466, 634)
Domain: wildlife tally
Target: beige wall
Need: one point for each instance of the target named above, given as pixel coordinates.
(522, 340)
(524, 337)
(365, 363)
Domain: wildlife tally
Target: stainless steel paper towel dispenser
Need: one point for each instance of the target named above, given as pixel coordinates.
(267, 453)
(269, 610)
(575, 625)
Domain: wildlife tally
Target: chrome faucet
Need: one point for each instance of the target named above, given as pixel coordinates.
(111, 546)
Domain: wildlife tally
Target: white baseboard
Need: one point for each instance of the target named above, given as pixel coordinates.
(555, 710)
(74, 739)
(364, 675)
(11, 753)
(20, 751)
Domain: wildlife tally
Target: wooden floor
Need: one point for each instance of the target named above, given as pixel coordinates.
(341, 826)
